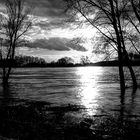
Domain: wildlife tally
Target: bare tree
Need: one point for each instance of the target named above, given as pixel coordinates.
(132, 15)
(107, 16)
(136, 8)
(15, 23)
(84, 60)
(65, 61)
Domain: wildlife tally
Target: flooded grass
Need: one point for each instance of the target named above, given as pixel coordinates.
(41, 121)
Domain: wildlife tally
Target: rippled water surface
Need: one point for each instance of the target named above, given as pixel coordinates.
(94, 88)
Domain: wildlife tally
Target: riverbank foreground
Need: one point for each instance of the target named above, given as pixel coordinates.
(41, 121)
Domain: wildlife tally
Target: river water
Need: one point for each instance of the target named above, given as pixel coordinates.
(94, 88)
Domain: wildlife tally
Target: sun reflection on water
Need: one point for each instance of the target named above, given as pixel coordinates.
(89, 92)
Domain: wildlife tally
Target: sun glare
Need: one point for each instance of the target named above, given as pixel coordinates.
(89, 90)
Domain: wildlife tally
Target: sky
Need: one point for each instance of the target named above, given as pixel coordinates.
(52, 36)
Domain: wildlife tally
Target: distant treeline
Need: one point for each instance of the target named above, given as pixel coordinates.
(23, 61)
(30, 61)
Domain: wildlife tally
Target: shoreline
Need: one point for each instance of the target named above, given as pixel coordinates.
(114, 63)
(41, 121)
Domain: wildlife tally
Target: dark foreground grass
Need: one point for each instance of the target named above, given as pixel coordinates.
(42, 121)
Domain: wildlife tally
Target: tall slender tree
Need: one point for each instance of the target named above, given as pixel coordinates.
(15, 23)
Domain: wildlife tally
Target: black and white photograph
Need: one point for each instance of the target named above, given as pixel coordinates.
(69, 69)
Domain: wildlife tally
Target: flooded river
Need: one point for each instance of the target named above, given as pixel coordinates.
(94, 88)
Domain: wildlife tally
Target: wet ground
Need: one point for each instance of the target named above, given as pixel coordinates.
(41, 121)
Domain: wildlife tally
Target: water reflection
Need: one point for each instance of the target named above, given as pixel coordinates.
(89, 92)
(95, 88)
(6, 97)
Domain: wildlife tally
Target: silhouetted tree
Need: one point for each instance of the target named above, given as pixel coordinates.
(136, 8)
(65, 61)
(104, 46)
(108, 18)
(84, 60)
(14, 25)
(131, 14)
(29, 61)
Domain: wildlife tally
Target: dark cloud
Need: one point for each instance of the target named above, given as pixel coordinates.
(54, 10)
(57, 23)
(50, 44)
(75, 44)
(76, 47)
(59, 44)
(51, 8)
(46, 8)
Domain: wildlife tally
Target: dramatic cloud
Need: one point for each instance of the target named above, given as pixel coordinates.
(50, 44)
(54, 10)
(49, 24)
(55, 32)
(60, 44)
(49, 8)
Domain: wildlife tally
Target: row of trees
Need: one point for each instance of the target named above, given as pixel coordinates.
(117, 22)
(68, 62)
(30, 61)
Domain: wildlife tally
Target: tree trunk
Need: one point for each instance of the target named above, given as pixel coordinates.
(5, 81)
(128, 62)
(5, 76)
(121, 73)
(132, 76)
(119, 46)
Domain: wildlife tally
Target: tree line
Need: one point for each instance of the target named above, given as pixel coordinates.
(23, 61)
(31, 61)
